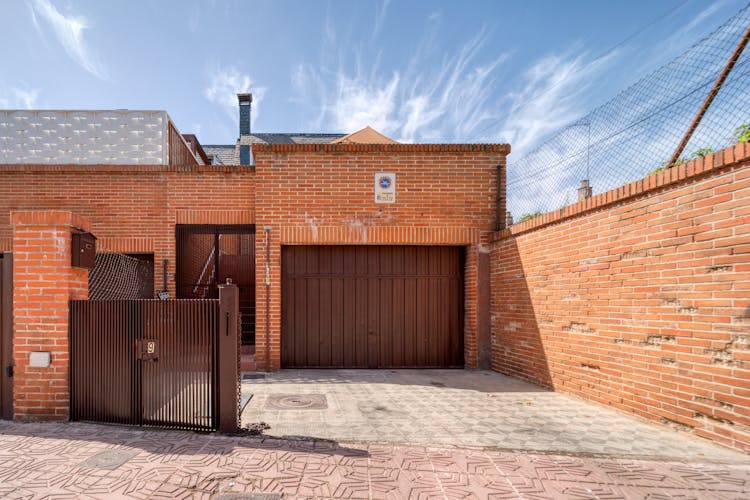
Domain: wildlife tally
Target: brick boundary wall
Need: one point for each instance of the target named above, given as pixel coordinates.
(638, 298)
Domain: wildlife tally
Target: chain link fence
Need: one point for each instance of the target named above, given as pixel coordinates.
(636, 132)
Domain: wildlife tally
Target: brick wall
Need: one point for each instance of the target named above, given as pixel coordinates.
(43, 282)
(131, 208)
(446, 195)
(324, 194)
(638, 298)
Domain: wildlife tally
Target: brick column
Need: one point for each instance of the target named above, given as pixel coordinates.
(470, 306)
(268, 299)
(43, 283)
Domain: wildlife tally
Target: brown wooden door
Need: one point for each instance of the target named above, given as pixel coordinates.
(6, 336)
(372, 307)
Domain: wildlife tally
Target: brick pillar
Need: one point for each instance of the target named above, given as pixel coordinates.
(43, 283)
(470, 306)
(267, 299)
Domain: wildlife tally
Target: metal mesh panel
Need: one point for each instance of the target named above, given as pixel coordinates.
(118, 276)
(636, 132)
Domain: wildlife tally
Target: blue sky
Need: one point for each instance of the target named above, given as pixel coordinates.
(422, 71)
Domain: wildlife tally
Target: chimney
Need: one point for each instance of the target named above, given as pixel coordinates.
(585, 191)
(246, 104)
(246, 101)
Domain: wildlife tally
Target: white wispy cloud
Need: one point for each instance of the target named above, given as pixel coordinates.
(551, 95)
(381, 10)
(698, 22)
(69, 31)
(679, 39)
(19, 98)
(359, 103)
(433, 97)
(224, 85)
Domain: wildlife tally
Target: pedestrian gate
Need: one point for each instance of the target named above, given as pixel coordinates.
(146, 362)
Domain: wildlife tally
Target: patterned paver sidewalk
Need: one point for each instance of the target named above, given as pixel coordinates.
(76, 460)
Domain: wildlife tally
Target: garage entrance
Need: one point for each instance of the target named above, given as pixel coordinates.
(372, 307)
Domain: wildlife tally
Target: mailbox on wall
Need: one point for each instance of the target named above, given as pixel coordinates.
(84, 250)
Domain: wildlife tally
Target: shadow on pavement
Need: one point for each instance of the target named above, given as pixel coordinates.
(159, 441)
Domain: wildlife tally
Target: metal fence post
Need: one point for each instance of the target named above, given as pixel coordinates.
(733, 58)
(227, 385)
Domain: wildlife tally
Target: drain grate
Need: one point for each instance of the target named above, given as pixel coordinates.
(297, 402)
(251, 376)
(108, 459)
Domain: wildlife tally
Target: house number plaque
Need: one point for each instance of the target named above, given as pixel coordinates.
(148, 349)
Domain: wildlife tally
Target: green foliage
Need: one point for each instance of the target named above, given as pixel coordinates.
(658, 169)
(742, 133)
(526, 217)
(703, 152)
(665, 165)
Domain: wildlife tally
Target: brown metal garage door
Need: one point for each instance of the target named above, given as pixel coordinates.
(372, 307)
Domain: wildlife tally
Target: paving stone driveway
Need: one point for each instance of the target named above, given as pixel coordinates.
(95, 461)
(459, 408)
(604, 454)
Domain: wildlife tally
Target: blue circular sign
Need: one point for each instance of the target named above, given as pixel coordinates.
(385, 182)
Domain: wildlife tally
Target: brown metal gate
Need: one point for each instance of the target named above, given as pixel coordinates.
(209, 254)
(372, 307)
(6, 336)
(145, 362)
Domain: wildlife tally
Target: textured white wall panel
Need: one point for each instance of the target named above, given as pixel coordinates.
(108, 137)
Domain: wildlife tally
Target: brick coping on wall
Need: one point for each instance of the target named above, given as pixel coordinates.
(50, 168)
(64, 218)
(696, 168)
(381, 148)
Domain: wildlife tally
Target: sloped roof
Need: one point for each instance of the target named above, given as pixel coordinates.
(229, 154)
(367, 135)
(303, 138)
(223, 154)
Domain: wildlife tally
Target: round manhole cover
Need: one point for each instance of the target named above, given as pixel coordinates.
(297, 401)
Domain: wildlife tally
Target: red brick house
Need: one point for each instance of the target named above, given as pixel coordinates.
(379, 254)
(330, 268)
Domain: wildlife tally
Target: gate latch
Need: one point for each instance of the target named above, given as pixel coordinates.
(147, 349)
